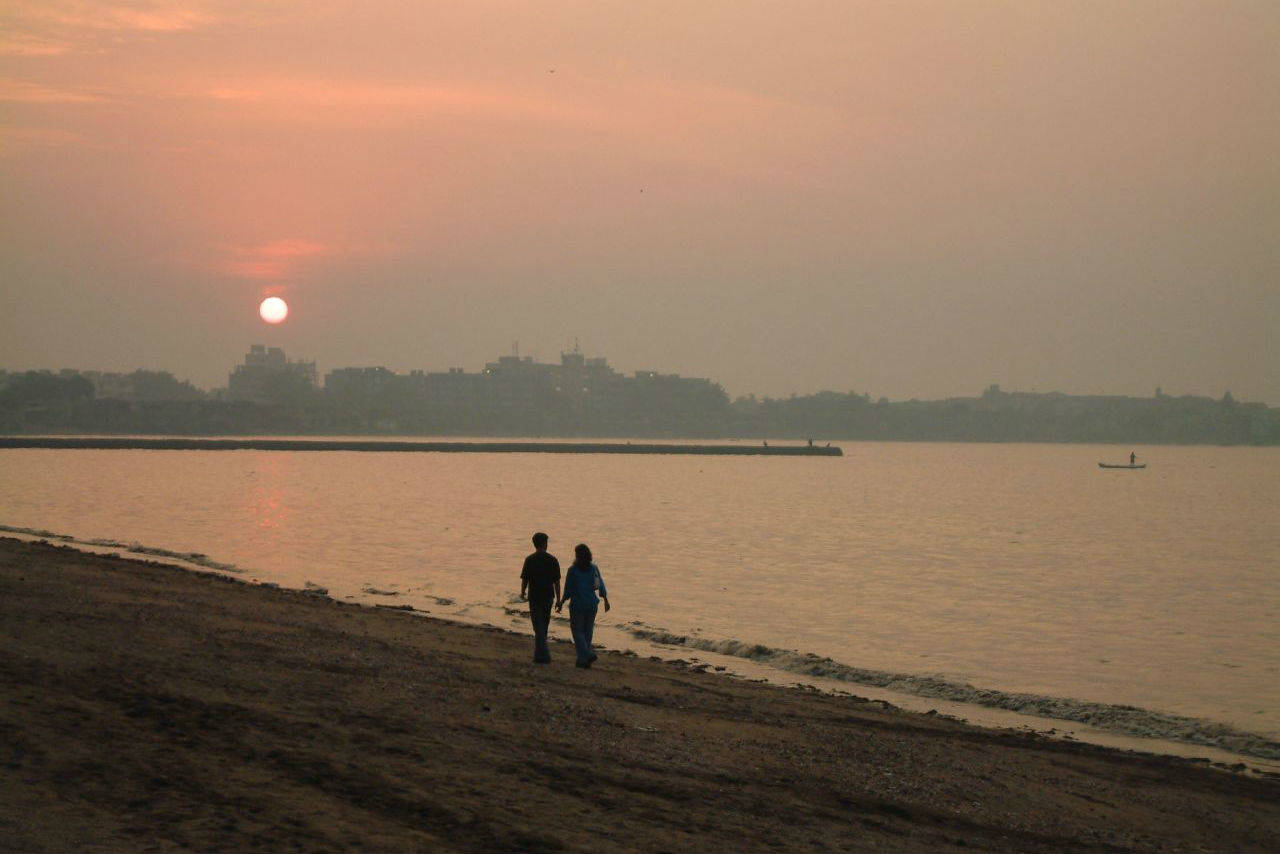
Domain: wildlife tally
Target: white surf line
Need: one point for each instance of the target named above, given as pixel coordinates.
(981, 716)
(624, 637)
(187, 560)
(1123, 720)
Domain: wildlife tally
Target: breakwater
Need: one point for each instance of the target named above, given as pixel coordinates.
(113, 443)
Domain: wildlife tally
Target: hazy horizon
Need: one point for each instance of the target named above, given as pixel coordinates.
(912, 200)
(628, 370)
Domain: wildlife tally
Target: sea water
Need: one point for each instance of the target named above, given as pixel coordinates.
(1018, 577)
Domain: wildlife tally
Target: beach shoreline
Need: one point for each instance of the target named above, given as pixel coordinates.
(1103, 724)
(149, 705)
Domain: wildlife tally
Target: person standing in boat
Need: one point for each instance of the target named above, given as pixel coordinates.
(1133, 458)
(582, 583)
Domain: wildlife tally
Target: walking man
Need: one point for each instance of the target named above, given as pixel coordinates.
(540, 584)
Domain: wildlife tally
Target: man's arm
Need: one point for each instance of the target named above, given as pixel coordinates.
(524, 579)
(561, 597)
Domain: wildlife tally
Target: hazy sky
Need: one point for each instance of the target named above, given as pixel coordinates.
(909, 199)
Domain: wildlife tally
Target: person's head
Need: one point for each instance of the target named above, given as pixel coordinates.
(582, 554)
(540, 541)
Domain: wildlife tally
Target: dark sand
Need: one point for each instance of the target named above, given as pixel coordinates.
(145, 708)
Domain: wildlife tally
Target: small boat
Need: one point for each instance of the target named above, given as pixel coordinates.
(1122, 465)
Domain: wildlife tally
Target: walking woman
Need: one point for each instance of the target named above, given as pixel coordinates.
(581, 584)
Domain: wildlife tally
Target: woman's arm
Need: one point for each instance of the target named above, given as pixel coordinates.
(568, 585)
(604, 594)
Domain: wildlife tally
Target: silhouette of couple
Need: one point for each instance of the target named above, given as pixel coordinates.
(583, 588)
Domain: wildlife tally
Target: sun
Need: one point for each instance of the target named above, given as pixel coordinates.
(273, 310)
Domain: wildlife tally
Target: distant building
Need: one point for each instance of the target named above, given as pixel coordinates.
(139, 386)
(267, 376)
(514, 394)
(358, 384)
(108, 385)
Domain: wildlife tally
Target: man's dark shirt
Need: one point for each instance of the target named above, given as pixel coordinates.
(542, 571)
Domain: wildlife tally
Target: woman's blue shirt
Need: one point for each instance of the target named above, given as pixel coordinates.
(580, 586)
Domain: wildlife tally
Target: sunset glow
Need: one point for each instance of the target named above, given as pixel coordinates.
(273, 310)
(1050, 196)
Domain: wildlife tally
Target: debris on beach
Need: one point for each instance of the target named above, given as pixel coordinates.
(374, 591)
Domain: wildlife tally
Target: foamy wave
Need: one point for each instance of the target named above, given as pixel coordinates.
(1129, 720)
(36, 532)
(197, 558)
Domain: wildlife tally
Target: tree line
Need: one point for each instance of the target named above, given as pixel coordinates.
(36, 402)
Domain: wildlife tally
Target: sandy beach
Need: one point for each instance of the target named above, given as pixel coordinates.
(147, 708)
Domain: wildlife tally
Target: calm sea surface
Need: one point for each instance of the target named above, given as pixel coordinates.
(1020, 568)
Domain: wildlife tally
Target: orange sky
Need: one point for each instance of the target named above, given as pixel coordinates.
(908, 199)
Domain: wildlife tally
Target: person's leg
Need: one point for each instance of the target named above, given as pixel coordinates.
(540, 614)
(588, 631)
(580, 645)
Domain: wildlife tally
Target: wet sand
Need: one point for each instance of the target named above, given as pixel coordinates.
(147, 708)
